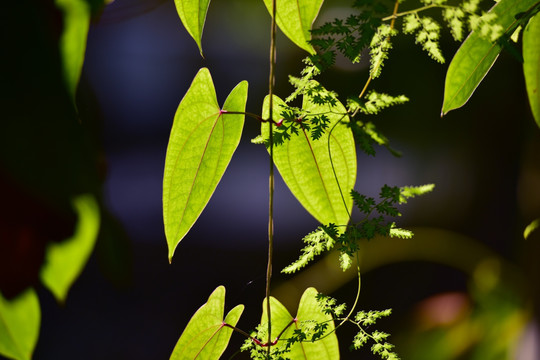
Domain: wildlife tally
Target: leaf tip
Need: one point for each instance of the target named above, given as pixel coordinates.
(171, 253)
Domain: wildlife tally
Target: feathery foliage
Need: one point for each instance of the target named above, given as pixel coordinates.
(316, 242)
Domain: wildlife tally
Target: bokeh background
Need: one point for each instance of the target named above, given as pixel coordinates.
(466, 287)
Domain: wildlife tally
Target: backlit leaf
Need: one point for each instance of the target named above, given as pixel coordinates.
(309, 313)
(73, 40)
(202, 142)
(65, 260)
(206, 336)
(531, 64)
(193, 15)
(476, 55)
(535, 224)
(20, 320)
(305, 165)
(295, 18)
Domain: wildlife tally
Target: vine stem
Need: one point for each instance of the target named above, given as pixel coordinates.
(347, 318)
(333, 167)
(271, 176)
(395, 15)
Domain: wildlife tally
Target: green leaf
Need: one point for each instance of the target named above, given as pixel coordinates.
(305, 165)
(476, 55)
(65, 260)
(202, 141)
(535, 224)
(206, 336)
(295, 18)
(531, 64)
(19, 325)
(309, 311)
(73, 39)
(193, 15)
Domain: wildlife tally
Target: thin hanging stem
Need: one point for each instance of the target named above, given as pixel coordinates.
(334, 168)
(271, 176)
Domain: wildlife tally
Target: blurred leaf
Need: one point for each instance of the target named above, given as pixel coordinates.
(531, 64)
(193, 15)
(530, 228)
(476, 55)
(308, 311)
(73, 40)
(114, 252)
(205, 336)
(295, 18)
(65, 260)
(19, 325)
(201, 145)
(306, 168)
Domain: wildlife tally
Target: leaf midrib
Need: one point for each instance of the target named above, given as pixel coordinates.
(198, 166)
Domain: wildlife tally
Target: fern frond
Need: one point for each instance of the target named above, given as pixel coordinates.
(258, 140)
(428, 36)
(470, 6)
(345, 261)
(379, 48)
(316, 242)
(407, 192)
(411, 23)
(379, 101)
(486, 26)
(454, 18)
(400, 233)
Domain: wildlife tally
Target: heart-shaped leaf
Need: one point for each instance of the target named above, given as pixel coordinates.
(531, 64)
(306, 168)
(202, 141)
(295, 18)
(476, 55)
(65, 260)
(193, 15)
(19, 325)
(309, 313)
(206, 336)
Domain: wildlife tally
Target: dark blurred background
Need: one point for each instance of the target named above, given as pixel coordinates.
(130, 303)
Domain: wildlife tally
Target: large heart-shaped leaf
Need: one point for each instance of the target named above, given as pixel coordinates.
(306, 168)
(202, 141)
(206, 336)
(531, 64)
(476, 55)
(65, 260)
(308, 311)
(19, 325)
(73, 41)
(295, 18)
(193, 15)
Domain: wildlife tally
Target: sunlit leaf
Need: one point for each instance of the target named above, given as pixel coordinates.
(202, 142)
(305, 165)
(65, 260)
(76, 22)
(476, 55)
(531, 64)
(206, 336)
(535, 224)
(295, 18)
(19, 325)
(308, 312)
(193, 15)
